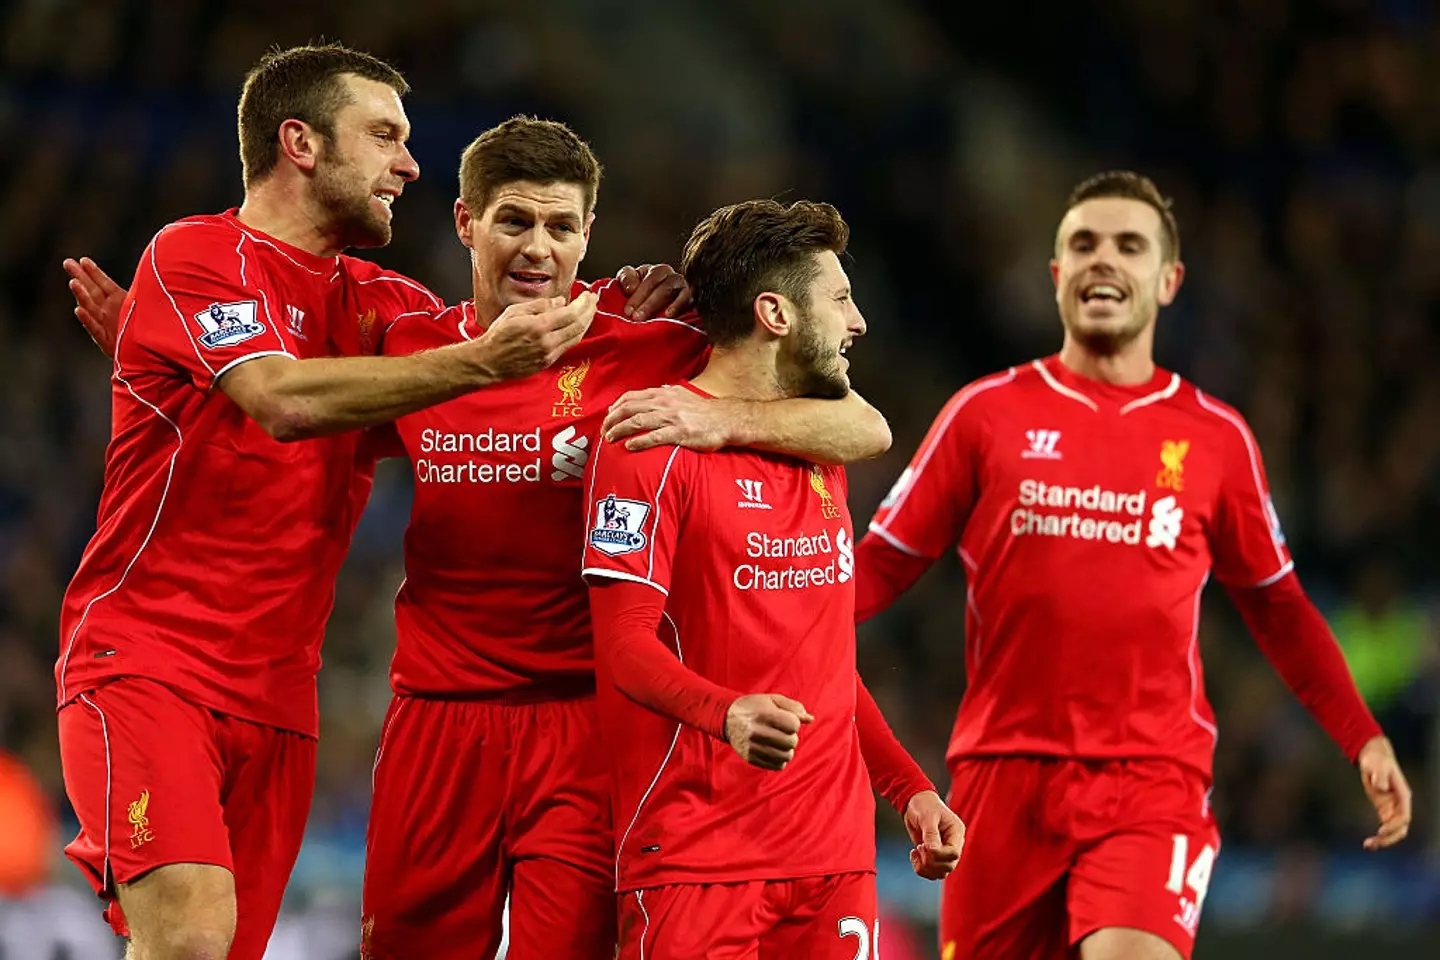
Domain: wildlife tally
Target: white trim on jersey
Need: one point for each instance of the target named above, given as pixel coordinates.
(105, 872)
(164, 492)
(678, 323)
(972, 574)
(406, 281)
(1276, 576)
(249, 356)
(180, 314)
(655, 524)
(416, 313)
(1254, 455)
(1061, 389)
(895, 541)
(959, 401)
(674, 739)
(1192, 658)
(621, 575)
(255, 238)
(1164, 394)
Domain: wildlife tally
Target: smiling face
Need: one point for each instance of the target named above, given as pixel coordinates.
(362, 170)
(812, 360)
(526, 244)
(1112, 272)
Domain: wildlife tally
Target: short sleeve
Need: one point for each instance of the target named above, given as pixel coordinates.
(925, 511)
(1246, 541)
(199, 302)
(633, 513)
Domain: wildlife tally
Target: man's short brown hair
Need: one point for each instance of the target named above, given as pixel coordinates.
(526, 148)
(755, 247)
(1129, 185)
(301, 83)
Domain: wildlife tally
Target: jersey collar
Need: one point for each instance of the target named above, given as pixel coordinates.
(321, 266)
(1098, 395)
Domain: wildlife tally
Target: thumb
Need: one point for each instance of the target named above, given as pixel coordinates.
(794, 706)
(930, 834)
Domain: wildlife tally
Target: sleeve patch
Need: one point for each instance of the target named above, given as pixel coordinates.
(617, 525)
(1273, 516)
(226, 324)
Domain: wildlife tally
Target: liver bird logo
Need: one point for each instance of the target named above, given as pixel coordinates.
(569, 382)
(828, 510)
(1172, 456)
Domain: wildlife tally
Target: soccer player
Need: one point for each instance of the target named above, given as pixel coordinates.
(190, 633)
(722, 596)
(1092, 495)
(490, 778)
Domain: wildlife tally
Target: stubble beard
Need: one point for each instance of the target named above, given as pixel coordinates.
(1109, 340)
(814, 367)
(346, 203)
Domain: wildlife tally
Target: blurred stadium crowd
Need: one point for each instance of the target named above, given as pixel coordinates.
(1299, 140)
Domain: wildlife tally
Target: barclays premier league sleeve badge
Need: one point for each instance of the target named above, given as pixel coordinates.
(226, 324)
(617, 525)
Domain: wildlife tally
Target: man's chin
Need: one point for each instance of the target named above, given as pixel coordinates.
(1104, 338)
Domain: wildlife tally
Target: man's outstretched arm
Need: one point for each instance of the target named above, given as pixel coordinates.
(823, 431)
(1297, 641)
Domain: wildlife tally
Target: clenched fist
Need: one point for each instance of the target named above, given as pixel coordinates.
(764, 728)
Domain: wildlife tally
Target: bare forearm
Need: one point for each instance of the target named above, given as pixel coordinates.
(825, 431)
(300, 399)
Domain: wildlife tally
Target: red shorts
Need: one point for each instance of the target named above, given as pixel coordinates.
(1057, 849)
(817, 918)
(473, 801)
(155, 779)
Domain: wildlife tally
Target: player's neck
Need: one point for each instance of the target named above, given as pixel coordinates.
(742, 372)
(288, 215)
(1134, 364)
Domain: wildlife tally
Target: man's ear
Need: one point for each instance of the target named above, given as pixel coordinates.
(772, 312)
(464, 221)
(301, 144)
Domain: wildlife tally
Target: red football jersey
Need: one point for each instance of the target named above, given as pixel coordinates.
(213, 565)
(493, 602)
(755, 555)
(1089, 518)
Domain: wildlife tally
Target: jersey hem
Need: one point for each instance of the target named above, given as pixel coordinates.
(998, 753)
(686, 878)
(191, 695)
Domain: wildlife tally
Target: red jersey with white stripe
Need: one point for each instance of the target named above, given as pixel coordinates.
(1089, 518)
(493, 603)
(755, 555)
(213, 565)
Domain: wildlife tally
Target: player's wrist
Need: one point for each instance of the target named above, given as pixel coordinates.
(740, 423)
(474, 363)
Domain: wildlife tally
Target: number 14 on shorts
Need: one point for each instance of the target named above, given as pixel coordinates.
(1189, 884)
